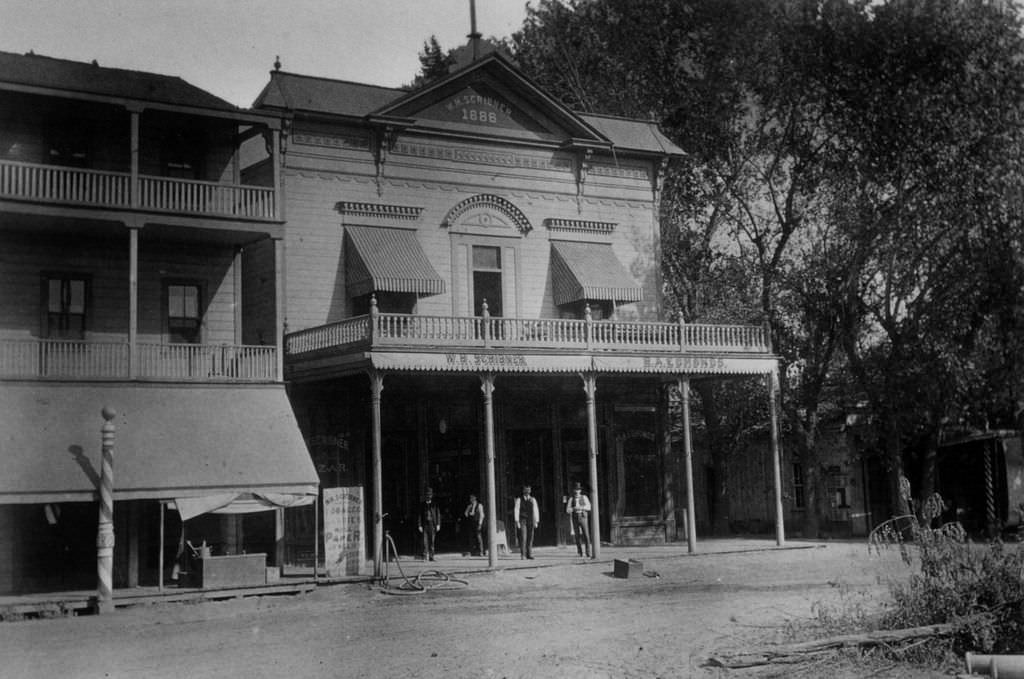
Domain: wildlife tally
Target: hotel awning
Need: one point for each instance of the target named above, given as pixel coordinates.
(387, 260)
(581, 271)
(171, 442)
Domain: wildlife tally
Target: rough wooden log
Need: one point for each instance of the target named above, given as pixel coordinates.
(790, 653)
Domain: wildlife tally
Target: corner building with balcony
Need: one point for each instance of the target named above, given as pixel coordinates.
(473, 303)
(139, 273)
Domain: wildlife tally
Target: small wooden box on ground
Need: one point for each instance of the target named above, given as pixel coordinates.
(624, 569)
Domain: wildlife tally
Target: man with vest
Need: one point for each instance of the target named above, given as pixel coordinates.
(473, 518)
(578, 509)
(527, 515)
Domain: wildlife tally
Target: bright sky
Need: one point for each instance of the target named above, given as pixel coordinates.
(227, 47)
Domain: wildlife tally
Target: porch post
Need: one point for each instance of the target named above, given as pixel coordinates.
(133, 299)
(487, 387)
(134, 197)
(590, 388)
(773, 407)
(376, 387)
(279, 320)
(105, 532)
(691, 526)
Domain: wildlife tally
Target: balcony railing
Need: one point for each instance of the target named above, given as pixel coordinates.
(206, 198)
(403, 330)
(75, 186)
(76, 359)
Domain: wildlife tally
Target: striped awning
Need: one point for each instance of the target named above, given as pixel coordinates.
(387, 260)
(172, 441)
(582, 271)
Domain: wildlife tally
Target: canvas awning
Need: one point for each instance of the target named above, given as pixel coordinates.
(171, 442)
(581, 271)
(387, 260)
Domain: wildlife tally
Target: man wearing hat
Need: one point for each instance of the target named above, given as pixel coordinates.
(578, 509)
(428, 520)
(527, 515)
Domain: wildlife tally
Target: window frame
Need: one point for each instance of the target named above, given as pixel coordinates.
(44, 302)
(200, 330)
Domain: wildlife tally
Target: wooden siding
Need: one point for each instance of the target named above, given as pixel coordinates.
(24, 258)
(326, 166)
(258, 293)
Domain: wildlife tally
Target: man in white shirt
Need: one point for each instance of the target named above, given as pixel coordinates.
(578, 509)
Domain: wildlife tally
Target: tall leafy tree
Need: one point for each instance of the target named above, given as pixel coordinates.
(924, 104)
(720, 77)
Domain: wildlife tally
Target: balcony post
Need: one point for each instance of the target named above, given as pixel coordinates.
(682, 333)
(374, 318)
(590, 389)
(135, 200)
(133, 298)
(589, 329)
(275, 157)
(279, 307)
(487, 325)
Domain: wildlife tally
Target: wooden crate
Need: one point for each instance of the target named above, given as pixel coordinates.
(235, 570)
(625, 569)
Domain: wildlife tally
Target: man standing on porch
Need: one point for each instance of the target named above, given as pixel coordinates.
(429, 522)
(527, 515)
(578, 509)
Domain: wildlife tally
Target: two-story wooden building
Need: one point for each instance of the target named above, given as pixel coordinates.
(137, 272)
(473, 303)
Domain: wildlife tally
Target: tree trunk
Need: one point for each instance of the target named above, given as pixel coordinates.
(928, 464)
(808, 455)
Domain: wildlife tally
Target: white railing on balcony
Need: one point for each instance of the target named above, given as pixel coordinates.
(77, 186)
(52, 183)
(382, 330)
(76, 359)
(207, 198)
(206, 362)
(63, 358)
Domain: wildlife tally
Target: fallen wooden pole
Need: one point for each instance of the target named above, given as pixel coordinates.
(789, 653)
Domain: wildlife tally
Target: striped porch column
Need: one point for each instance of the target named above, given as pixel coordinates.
(105, 534)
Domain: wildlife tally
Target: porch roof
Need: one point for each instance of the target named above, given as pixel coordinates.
(171, 441)
(388, 260)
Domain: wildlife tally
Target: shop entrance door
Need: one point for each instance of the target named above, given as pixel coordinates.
(529, 461)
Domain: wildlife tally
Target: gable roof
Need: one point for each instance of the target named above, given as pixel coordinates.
(311, 94)
(50, 73)
(325, 96)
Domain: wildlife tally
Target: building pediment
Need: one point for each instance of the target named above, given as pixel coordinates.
(490, 98)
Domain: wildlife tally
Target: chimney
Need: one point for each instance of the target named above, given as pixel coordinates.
(474, 35)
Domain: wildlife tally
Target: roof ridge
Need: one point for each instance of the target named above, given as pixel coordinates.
(339, 80)
(95, 64)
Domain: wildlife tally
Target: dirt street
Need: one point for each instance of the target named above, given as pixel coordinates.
(564, 621)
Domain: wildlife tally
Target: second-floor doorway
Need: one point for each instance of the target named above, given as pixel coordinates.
(487, 281)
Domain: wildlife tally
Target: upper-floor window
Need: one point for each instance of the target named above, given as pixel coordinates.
(487, 279)
(66, 305)
(68, 144)
(181, 155)
(184, 313)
